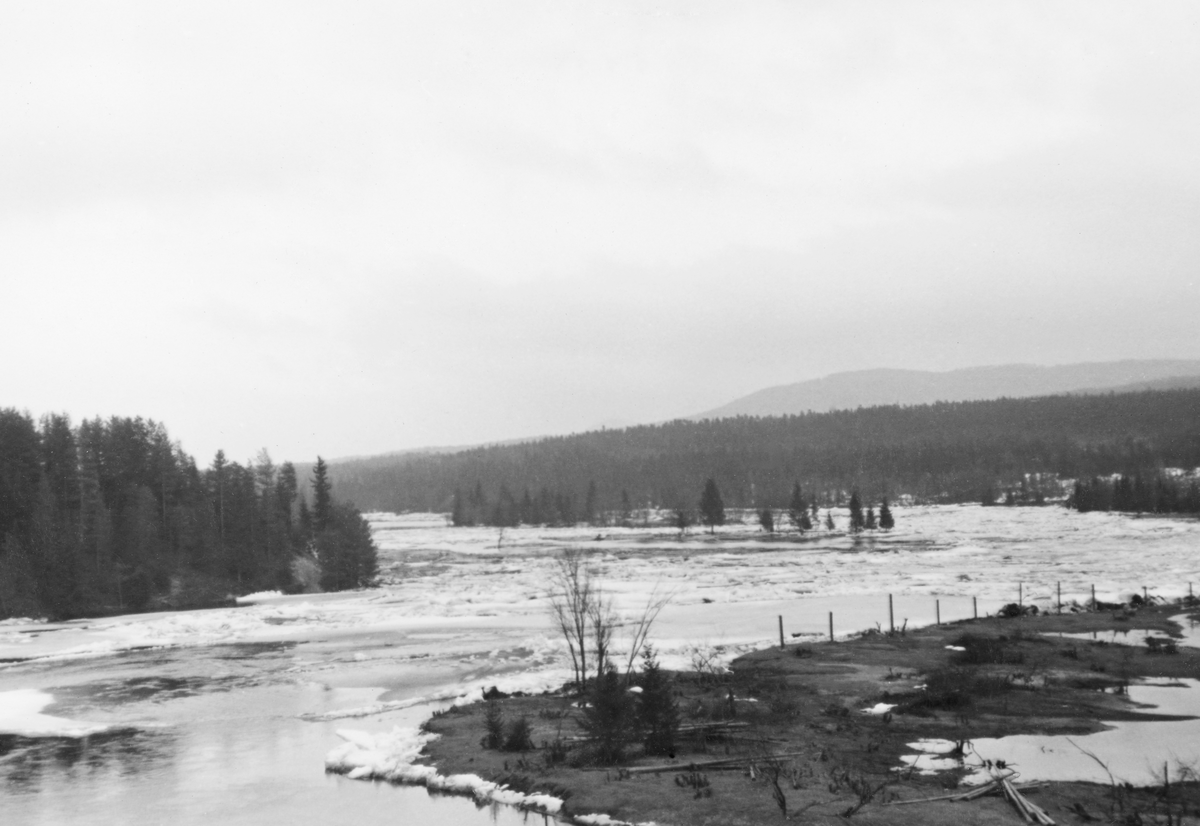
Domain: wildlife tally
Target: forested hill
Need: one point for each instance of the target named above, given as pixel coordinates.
(939, 452)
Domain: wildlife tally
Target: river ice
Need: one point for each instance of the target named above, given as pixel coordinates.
(460, 609)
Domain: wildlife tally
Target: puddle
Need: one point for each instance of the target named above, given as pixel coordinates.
(1134, 752)
(1189, 629)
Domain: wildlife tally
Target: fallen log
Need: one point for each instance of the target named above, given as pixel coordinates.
(732, 762)
(982, 791)
(1011, 795)
(1028, 809)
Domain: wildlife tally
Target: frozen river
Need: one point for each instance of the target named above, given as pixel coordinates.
(227, 715)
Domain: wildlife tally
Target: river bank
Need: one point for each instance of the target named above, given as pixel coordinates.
(826, 728)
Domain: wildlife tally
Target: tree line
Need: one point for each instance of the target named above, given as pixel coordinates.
(1156, 493)
(946, 452)
(112, 515)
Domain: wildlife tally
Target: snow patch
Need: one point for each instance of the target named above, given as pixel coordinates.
(879, 708)
(20, 714)
(390, 756)
(258, 596)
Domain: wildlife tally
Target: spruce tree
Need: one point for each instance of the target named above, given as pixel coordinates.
(829, 523)
(886, 521)
(871, 523)
(285, 493)
(712, 508)
(766, 520)
(590, 503)
(322, 496)
(608, 718)
(657, 713)
(856, 513)
(797, 510)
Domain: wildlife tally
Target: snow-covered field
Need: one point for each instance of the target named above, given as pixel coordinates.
(463, 608)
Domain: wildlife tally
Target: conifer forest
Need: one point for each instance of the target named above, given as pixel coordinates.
(113, 516)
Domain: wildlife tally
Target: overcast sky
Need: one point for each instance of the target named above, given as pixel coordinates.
(349, 228)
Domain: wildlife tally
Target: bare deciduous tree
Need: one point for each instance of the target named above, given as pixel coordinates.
(639, 629)
(603, 620)
(570, 602)
(585, 617)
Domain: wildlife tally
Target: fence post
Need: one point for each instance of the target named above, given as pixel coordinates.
(781, 632)
(831, 626)
(1145, 596)
(891, 616)
(975, 606)
(1059, 585)
(1020, 595)
(1093, 596)
(937, 607)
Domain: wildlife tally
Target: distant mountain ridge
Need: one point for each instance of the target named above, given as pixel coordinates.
(884, 386)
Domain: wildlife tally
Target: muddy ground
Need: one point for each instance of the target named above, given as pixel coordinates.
(806, 702)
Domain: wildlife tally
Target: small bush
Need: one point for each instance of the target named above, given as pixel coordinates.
(493, 723)
(695, 781)
(985, 651)
(956, 688)
(517, 737)
(556, 752)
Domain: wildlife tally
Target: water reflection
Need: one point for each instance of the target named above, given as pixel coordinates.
(29, 765)
(201, 736)
(1129, 751)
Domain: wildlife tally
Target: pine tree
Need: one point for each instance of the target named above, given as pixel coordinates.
(712, 508)
(797, 510)
(286, 486)
(217, 476)
(608, 718)
(871, 523)
(657, 713)
(346, 551)
(829, 523)
(681, 519)
(886, 522)
(766, 520)
(590, 503)
(856, 513)
(322, 496)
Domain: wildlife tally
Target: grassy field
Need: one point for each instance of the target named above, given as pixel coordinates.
(791, 723)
